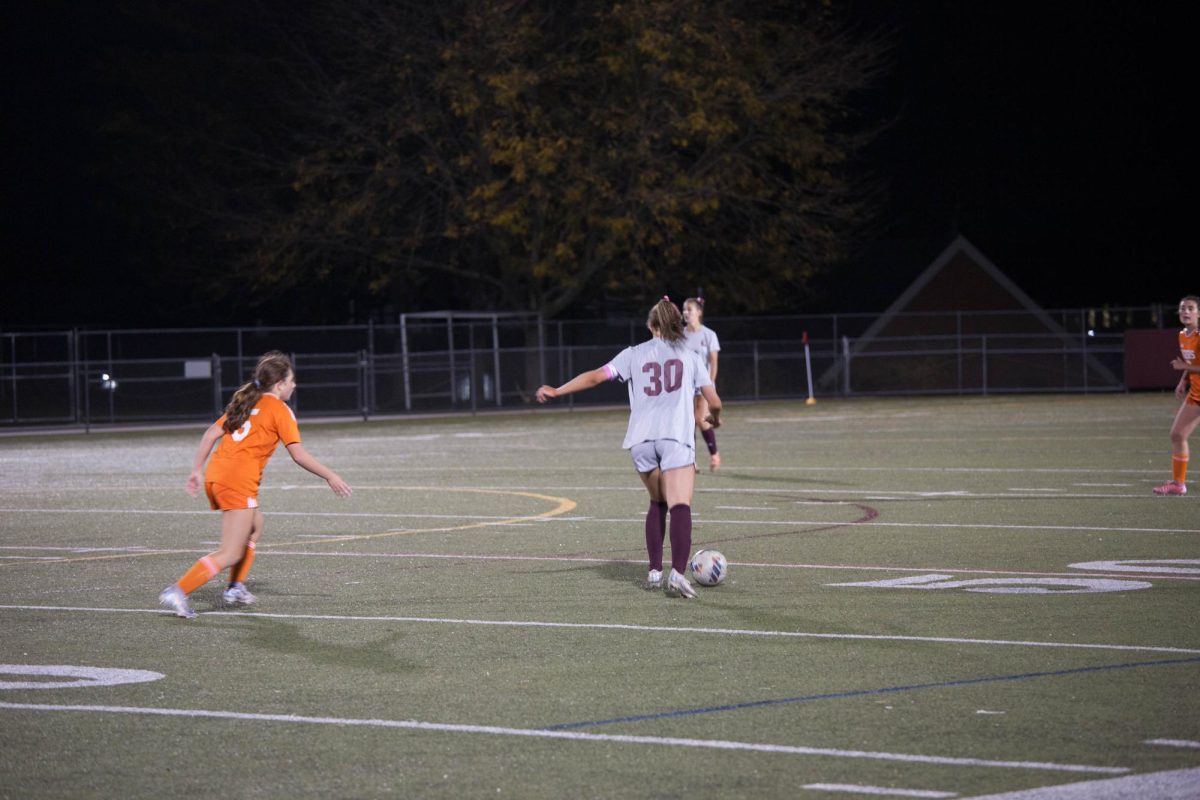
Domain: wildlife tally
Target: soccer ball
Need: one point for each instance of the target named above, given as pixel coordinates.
(709, 567)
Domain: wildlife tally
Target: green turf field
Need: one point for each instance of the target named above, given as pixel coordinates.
(927, 598)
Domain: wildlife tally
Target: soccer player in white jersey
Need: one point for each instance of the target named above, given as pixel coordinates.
(663, 375)
(704, 341)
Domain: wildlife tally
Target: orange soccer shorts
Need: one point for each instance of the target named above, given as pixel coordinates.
(222, 498)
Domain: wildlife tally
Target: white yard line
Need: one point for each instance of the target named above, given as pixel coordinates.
(587, 559)
(538, 733)
(209, 513)
(701, 521)
(609, 626)
(877, 791)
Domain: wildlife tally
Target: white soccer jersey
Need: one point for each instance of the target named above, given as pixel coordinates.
(662, 379)
(703, 341)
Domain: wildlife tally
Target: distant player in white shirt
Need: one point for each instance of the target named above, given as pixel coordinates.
(663, 376)
(704, 341)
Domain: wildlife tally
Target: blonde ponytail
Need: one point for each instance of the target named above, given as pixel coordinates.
(665, 320)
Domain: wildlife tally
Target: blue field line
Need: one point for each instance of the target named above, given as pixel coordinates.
(867, 692)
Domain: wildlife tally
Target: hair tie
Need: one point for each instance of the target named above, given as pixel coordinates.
(257, 383)
(666, 298)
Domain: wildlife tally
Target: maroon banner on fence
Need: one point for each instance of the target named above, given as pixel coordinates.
(1148, 355)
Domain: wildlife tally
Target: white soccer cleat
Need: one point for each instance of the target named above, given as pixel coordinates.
(1171, 487)
(678, 585)
(654, 579)
(173, 598)
(236, 594)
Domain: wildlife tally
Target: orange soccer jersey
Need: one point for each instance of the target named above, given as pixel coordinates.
(241, 456)
(1188, 345)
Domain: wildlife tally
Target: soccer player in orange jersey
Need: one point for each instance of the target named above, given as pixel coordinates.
(255, 421)
(1188, 391)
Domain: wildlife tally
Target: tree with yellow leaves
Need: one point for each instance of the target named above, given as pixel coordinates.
(519, 155)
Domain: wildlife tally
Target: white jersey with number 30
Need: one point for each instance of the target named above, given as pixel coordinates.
(662, 379)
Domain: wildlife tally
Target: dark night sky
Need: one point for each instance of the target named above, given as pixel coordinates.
(1050, 135)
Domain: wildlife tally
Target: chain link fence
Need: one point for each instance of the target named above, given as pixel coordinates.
(471, 362)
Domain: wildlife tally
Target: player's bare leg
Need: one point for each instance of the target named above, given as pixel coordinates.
(1186, 422)
(236, 592)
(237, 525)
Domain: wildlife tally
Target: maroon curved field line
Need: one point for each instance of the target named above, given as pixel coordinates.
(868, 513)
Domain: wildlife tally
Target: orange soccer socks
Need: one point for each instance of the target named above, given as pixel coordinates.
(206, 569)
(200, 573)
(238, 572)
(1179, 468)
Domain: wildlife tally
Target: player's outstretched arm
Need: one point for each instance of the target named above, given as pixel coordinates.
(582, 381)
(196, 478)
(302, 457)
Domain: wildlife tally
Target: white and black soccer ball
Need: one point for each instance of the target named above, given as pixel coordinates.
(709, 567)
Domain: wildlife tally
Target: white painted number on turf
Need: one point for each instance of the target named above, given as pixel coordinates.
(85, 677)
(1006, 585)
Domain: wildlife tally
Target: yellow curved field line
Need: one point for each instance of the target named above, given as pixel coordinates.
(563, 505)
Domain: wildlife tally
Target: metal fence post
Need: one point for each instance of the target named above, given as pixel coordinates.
(87, 393)
(471, 375)
(756, 386)
(845, 366)
(362, 383)
(834, 338)
(372, 397)
(404, 362)
(450, 350)
(496, 360)
(983, 357)
(958, 345)
(1083, 359)
(112, 396)
(542, 350)
(561, 348)
(12, 346)
(73, 347)
(570, 360)
(216, 382)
